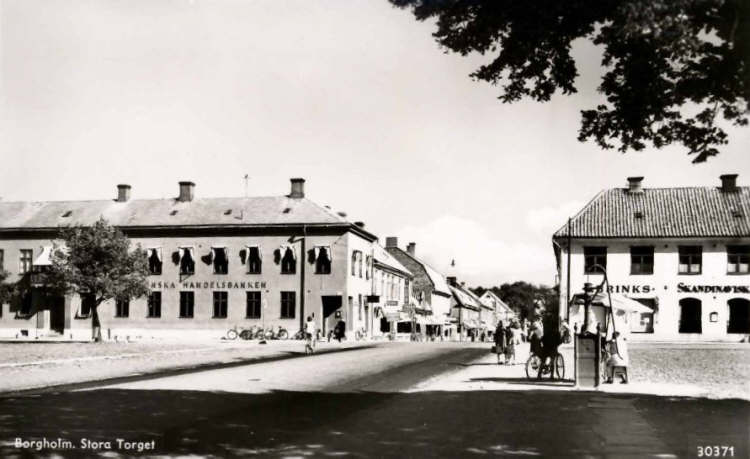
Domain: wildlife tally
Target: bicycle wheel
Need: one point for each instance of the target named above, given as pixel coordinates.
(559, 367)
(246, 334)
(232, 334)
(283, 334)
(532, 366)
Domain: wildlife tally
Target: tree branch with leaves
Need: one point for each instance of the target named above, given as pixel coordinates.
(672, 68)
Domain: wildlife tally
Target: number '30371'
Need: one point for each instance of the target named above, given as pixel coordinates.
(715, 451)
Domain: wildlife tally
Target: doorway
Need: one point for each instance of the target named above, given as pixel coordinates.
(690, 316)
(739, 316)
(331, 304)
(57, 314)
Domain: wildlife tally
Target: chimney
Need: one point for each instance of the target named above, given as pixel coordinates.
(123, 193)
(634, 184)
(298, 188)
(728, 183)
(451, 280)
(359, 224)
(187, 191)
(391, 241)
(412, 248)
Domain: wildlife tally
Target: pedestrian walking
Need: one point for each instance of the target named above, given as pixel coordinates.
(510, 346)
(310, 335)
(500, 341)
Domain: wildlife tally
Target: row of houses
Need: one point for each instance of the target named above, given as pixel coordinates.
(217, 263)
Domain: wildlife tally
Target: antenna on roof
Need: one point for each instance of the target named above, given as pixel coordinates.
(247, 177)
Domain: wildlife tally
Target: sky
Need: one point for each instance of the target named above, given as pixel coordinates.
(355, 96)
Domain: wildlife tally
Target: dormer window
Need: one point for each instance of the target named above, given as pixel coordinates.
(253, 260)
(187, 260)
(288, 260)
(220, 260)
(323, 260)
(67, 214)
(173, 213)
(154, 260)
(228, 212)
(638, 214)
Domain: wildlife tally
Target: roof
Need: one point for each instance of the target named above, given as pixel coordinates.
(664, 212)
(465, 298)
(274, 210)
(382, 256)
(497, 299)
(439, 283)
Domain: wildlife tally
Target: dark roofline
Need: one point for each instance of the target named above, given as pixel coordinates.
(418, 262)
(287, 228)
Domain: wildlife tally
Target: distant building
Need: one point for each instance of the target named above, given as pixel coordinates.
(466, 311)
(391, 288)
(429, 288)
(501, 310)
(682, 252)
(215, 263)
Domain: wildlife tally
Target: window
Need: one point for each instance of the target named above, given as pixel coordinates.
(287, 305)
(122, 308)
(2, 260)
(359, 264)
(26, 260)
(154, 305)
(187, 303)
(154, 260)
(359, 306)
(368, 263)
(738, 259)
(221, 300)
(253, 307)
(87, 305)
(254, 262)
(642, 260)
(739, 316)
(322, 260)
(593, 256)
(691, 259)
(354, 263)
(187, 261)
(288, 261)
(220, 260)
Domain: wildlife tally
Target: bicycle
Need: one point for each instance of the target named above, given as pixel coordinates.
(534, 362)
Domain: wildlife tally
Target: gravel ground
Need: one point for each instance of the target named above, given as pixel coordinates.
(723, 371)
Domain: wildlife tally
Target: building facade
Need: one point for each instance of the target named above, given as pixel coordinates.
(391, 289)
(501, 311)
(429, 287)
(215, 263)
(682, 252)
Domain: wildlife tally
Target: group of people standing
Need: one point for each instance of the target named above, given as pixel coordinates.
(506, 338)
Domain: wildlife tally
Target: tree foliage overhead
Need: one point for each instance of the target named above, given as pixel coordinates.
(7, 289)
(528, 300)
(97, 262)
(672, 68)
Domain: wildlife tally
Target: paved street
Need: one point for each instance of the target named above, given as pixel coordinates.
(387, 400)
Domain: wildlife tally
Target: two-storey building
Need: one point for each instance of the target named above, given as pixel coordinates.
(215, 263)
(683, 252)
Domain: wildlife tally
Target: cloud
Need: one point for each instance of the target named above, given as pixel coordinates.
(480, 257)
(547, 220)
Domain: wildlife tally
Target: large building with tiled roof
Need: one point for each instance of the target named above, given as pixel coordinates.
(215, 263)
(682, 252)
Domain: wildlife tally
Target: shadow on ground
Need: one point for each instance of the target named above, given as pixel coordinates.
(443, 424)
(527, 381)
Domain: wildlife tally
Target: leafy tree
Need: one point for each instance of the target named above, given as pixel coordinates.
(97, 263)
(7, 290)
(671, 67)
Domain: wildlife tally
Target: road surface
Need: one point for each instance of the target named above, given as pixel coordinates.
(362, 403)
